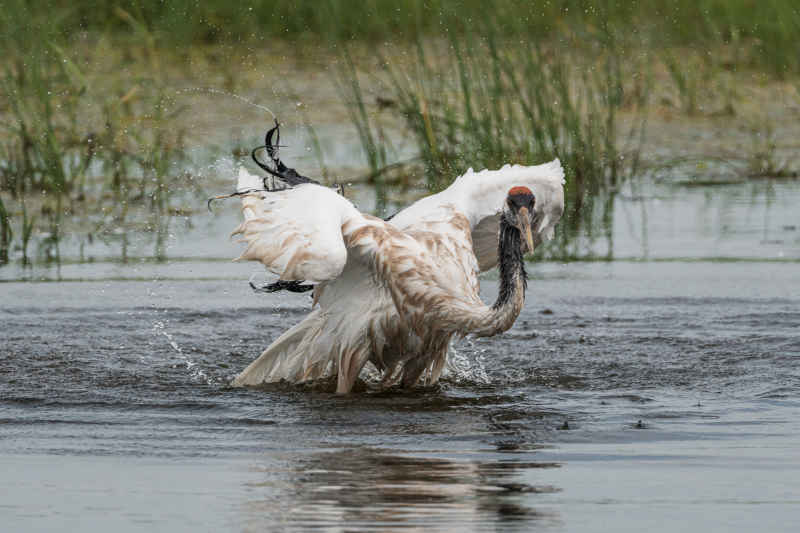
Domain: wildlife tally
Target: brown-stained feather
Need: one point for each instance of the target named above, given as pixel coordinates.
(398, 302)
(298, 258)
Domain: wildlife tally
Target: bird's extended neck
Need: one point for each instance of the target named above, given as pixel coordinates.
(513, 281)
(513, 278)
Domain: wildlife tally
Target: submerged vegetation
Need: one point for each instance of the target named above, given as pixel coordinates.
(459, 85)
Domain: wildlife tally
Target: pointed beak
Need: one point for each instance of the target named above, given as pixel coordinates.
(525, 227)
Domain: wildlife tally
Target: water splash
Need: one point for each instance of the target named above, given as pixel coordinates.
(210, 90)
(226, 165)
(197, 374)
(466, 366)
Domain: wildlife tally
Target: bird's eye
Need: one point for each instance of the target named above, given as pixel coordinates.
(516, 201)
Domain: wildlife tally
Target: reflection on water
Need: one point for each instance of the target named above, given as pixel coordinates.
(363, 488)
(677, 213)
(663, 220)
(114, 409)
(656, 221)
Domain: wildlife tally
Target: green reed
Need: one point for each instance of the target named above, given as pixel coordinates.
(685, 81)
(764, 159)
(489, 83)
(769, 27)
(6, 233)
(53, 161)
(484, 102)
(372, 138)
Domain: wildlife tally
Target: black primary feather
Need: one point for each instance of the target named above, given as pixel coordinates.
(282, 285)
(287, 175)
(290, 177)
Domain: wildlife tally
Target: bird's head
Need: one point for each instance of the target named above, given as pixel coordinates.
(520, 212)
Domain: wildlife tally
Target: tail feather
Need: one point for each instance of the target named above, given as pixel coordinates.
(351, 361)
(287, 357)
(327, 344)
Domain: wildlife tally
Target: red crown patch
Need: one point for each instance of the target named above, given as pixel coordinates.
(519, 190)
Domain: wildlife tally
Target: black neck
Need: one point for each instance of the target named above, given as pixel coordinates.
(512, 263)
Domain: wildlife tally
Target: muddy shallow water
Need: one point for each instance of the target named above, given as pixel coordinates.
(629, 396)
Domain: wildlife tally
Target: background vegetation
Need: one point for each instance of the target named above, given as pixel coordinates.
(771, 25)
(472, 83)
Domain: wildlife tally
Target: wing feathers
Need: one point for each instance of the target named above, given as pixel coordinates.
(308, 232)
(295, 233)
(479, 196)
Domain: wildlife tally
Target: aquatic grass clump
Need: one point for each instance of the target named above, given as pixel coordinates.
(40, 148)
(42, 100)
(54, 161)
(685, 80)
(371, 135)
(764, 159)
(485, 102)
(6, 233)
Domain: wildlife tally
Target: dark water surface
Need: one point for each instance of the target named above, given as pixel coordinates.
(654, 396)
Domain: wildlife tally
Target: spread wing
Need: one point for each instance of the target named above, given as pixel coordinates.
(479, 196)
(296, 233)
(310, 232)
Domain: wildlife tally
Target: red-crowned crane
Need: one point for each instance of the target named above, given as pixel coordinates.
(395, 293)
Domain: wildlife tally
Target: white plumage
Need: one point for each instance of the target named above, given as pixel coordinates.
(395, 293)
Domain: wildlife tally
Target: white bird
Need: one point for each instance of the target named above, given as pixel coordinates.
(395, 293)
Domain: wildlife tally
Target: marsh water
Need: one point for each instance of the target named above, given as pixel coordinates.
(656, 391)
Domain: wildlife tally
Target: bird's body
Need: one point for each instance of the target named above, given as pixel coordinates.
(395, 293)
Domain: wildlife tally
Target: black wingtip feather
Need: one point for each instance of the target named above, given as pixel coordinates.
(282, 285)
(288, 175)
